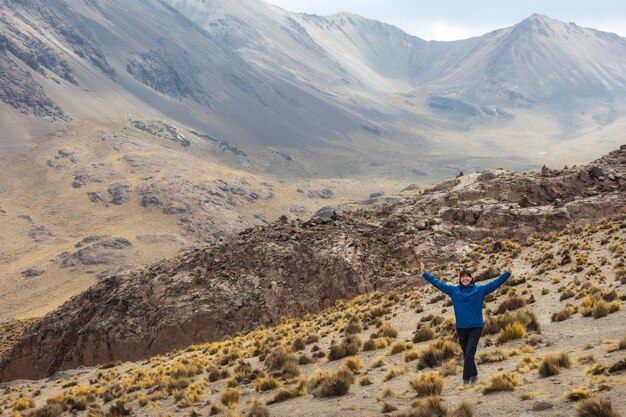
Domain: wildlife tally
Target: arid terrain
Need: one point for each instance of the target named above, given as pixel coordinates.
(554, 336)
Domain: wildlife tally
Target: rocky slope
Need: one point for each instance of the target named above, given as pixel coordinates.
(296, 267)
(553, 345)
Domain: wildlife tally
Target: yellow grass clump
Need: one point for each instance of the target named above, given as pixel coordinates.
(429, 383)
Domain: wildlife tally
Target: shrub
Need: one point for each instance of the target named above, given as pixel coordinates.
(502, 382)
(230, 397)
(285, 394)
(258, 410)
(354, 364)
(373, 344)
(24, 403)
(424, 334)
(348, 347)
(601, 309)
(365, 380)
(586, 306)
(464, 409)
(279, 358)
(436, 353)
(551, 364)
(564, 314)
(388, 331)
(617, 366)
(398, 347)
(429, 383)
(595, 408)
(298, 344)
(377, 363)
(411, 355)
(622, 344)
(304, 360)
(394, 372)
(512, 331)
(266, 384)
(578, 394)
(511, 303)
(353, 327)
(388, 408)
(429, 407)
(326, 384)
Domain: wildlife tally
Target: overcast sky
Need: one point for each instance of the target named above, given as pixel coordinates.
(460, 19)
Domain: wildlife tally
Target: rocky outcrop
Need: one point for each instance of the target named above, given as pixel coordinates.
(295, 267)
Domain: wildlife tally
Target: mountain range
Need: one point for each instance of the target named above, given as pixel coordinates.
(251, 73)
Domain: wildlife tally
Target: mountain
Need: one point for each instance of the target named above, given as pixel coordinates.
(535, 61)
(298, 267)
(251, 73)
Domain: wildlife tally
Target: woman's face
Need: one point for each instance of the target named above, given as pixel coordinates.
(465, 279)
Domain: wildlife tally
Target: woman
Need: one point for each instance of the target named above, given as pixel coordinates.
(467, 300)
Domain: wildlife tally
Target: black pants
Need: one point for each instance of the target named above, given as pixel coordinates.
(468, 339)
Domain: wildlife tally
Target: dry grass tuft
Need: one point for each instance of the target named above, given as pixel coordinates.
(326, 384)
(285, 394)
(394, 372)
(551, 364)
(424, 334)
(564, 314)
(266, 384)
(502, 382)
(578, 394)
(348, 347)
(258, 410)
(596, 408)
(230, 397)
(354, 364)
(512, 331)
(429, 383)
(436, 353)
(464, 409)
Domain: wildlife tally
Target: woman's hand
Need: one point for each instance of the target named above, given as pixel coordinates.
(510, 266)
(422, 267)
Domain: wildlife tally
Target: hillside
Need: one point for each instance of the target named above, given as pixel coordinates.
(294, 267)
(554, 336)
(104, 198)
(250, 73)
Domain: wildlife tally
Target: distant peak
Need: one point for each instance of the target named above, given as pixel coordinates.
(536, 23)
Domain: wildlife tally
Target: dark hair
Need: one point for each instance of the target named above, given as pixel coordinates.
(466, 272)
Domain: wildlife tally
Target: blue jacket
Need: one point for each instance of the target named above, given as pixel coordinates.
(467, 300)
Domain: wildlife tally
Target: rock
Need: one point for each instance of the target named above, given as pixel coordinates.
(94, 197)
(98, 250)
(324, 213)
(32, 272)
(409, 187)
(152, 239)
(542, 405)
(39, 233)
(120, 193)
(325, 193)
(595, 172)
(297, 209)
(377, 194)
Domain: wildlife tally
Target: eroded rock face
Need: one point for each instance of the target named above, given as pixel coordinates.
(295, 267)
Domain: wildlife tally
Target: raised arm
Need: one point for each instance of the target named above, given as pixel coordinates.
(441, 286)
(496, 283)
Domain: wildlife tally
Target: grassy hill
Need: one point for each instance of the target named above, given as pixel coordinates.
(553, 343)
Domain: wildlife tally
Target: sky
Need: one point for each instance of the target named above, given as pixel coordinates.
(460, 19)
